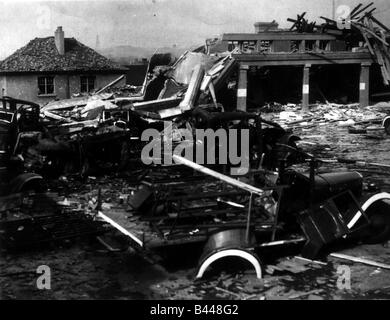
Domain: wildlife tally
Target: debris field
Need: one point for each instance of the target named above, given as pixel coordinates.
(197, 186)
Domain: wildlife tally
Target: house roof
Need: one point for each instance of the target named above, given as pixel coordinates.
(41, 55)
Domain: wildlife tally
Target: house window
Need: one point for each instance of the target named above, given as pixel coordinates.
(87, 83)
(45, 85)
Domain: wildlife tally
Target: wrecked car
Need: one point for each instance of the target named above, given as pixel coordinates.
(18, 118)
(232, 218)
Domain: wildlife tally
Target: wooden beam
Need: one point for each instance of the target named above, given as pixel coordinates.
(156, 105)
(120, 228)
(361, 10)
(327, 20)
(217, 175)
(362, 27)
(360, 260)
(298, 21)
(273, 36)
(300, 59)
(110, 84)
(368, 44)
(379, 23)
(356, 9)
(366, 15)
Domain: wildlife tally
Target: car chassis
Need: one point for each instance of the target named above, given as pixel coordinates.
(315, 210)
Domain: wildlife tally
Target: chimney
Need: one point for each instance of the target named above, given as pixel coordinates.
(59, 40)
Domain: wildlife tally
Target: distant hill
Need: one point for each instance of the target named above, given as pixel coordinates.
(125, 54)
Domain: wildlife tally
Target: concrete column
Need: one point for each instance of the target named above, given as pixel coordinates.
(306, 87)
(242, 89)
(364, 96)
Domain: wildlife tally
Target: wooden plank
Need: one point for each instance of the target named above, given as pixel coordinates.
(327, 20)
(217, 175)
(362, 56)
(299, 59)
(110, 84)
(381, 62)
(361, 26)
(356, 9)
(379, 23)
(361, 10)
(368, 43)
(311, 261)
(378, 53)
(360, 260)
(281, 242)
(217, 225)
(366, 15)
(270, 36)
(385, 53)
(120, 228)
(296, 22)
(156, 105)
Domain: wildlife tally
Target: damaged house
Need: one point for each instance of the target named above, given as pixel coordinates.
(55, 68)
(310, 61)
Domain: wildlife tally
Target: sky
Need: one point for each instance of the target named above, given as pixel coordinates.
(152, 23)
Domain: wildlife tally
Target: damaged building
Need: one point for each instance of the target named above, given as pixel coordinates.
(55, 68)
(300, 103)
(308, 62)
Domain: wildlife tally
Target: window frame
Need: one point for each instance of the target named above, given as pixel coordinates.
(46, 93)
(88, 83)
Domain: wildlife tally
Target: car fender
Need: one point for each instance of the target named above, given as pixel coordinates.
(384, 196)
(16, 185)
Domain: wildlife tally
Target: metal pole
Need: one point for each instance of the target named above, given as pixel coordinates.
(277, 214)
(248, 222)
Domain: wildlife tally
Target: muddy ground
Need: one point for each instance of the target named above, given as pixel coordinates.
(84, 269)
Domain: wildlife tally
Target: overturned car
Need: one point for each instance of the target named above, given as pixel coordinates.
(272, 206)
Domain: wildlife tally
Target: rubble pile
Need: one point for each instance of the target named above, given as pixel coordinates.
(89, 148)
(359, 27)
(76, 130)
(344, 115)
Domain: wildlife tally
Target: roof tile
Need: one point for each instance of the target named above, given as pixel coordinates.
(41, 55)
